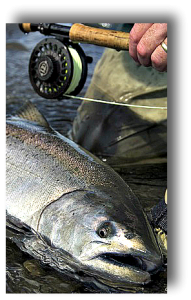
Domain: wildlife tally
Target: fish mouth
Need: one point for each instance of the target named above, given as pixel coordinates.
(125, 260)
(129, 261)
(124, 269)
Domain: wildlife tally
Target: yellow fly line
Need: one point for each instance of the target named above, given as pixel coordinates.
(77, 70)
(115, 103)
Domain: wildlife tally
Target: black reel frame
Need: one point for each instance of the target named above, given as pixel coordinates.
(51, 65)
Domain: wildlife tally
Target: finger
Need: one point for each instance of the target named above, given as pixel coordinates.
(159, 58)
(152, 38)
(136, 34)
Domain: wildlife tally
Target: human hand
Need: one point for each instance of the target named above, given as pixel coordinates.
(145, 45)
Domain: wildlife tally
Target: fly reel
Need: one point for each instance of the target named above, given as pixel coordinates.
(57, 68)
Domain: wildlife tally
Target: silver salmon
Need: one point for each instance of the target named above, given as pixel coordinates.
(70, 210)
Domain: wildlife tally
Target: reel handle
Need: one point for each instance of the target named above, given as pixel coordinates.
(81, 33)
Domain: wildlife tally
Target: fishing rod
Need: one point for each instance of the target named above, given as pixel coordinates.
(58, 65)
(118, 40)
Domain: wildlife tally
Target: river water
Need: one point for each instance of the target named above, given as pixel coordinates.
(23, 273)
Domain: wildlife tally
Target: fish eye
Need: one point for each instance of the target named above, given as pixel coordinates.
(105, 230)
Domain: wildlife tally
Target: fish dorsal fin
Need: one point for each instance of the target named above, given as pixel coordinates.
(29, 112)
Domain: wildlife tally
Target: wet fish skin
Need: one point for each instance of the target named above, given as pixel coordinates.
(78, 206)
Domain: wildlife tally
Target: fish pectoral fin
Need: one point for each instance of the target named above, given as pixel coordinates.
(29, 112)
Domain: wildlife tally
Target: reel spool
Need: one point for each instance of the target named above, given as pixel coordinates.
(57, 68)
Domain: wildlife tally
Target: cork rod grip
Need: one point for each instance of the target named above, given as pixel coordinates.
(102, 37)
(25, 27)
